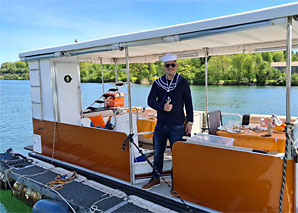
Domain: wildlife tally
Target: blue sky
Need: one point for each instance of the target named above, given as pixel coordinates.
(34, 24)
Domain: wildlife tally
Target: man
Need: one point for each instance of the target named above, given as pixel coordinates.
(168, 96)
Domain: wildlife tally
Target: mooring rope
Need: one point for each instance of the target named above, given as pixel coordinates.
(61, 180)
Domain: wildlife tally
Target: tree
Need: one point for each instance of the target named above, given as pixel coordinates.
(295, 56)
(6, 65)
(237, 67)
(186, 70)
(274, 74)
(249, 68)
(140, 71)
(294, 79)
(278, 56)
(261, 69)
(199, 76)
(152, 72)
(196, 62)
(14, 71)
(21, 65)
(267, 56)
(218, 66)
(159, 68)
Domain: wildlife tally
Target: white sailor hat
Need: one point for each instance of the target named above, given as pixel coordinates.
(169, 57)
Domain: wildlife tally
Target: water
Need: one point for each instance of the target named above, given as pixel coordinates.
(10, 204)
(16, 114)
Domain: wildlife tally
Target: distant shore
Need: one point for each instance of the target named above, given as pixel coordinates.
(228, 83)
(257, 69)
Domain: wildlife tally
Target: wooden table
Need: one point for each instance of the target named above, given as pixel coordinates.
(254, 140)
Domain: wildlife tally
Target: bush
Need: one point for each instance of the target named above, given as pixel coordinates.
(230, 82)
(294, 80)
(153, 79)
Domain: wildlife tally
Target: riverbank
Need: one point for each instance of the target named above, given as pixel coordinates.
(221, 83)
(258, 69)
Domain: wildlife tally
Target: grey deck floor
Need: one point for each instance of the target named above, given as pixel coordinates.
(161, 189)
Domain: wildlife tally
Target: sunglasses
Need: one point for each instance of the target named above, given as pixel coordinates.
(168, 65)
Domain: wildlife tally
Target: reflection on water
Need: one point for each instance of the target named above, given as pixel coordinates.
(16, 112)
(10, 204)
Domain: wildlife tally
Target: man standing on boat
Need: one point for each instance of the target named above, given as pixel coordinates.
(168, 96)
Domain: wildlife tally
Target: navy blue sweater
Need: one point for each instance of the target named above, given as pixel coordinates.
(180, 96)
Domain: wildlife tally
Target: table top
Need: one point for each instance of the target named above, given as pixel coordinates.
(146, 125)
(279, 136)
(254, 140)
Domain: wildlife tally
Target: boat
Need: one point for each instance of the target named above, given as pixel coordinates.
(209, 175)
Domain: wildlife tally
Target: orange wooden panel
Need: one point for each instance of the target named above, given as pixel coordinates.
(95, 149)
(254, 140)
(230, 180)
(146, 125)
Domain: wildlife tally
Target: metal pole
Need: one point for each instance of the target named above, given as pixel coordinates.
(288, 69)
(40, 93)
(288, 147)
(79, 83)
(206, 81)
(128, 90)
(102, 81)
(131, 150)
(116, 76)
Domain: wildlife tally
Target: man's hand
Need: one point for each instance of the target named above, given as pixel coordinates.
(168, 107)
(188, 128)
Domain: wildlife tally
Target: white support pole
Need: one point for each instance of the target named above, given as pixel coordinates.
(132, 173)
(128, 90)
(116, 74)
(102, 81)
(57, 119)
(288, 85)
(40, 92)
(79, 83)
(288, 70)
(206, 81)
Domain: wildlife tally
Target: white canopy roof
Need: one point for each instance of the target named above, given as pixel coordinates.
(255, 31)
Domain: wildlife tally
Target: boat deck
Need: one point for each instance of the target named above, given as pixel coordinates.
(161, 189)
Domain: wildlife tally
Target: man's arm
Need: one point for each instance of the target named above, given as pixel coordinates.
(188, 103)
(189, 109)
(152, 102)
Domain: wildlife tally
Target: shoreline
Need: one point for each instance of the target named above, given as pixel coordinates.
(274, 84)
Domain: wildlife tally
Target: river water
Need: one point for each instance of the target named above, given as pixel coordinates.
(16, 114)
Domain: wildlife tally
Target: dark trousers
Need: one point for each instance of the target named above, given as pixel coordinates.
(161, 134)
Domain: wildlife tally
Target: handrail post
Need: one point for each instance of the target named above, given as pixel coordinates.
(131, 150)
(288, 69)
(116, 74)
(102, 81)
(288, 84)
(206, 83)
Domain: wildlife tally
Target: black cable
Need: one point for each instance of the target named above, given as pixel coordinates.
(130, 138)
(288, 137)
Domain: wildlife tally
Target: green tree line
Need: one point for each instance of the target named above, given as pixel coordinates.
(14, 71)
(237, 69)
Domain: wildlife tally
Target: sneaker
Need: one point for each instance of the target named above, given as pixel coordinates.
(153, 182)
